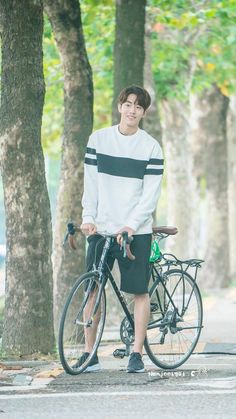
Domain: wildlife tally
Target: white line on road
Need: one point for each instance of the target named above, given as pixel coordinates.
(116, 394)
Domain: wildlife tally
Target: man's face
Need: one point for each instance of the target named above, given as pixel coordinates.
(131, 112)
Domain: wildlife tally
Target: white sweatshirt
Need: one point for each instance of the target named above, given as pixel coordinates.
(122, 180)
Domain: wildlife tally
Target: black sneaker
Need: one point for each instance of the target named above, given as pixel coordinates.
(135, 363)
(93, 364)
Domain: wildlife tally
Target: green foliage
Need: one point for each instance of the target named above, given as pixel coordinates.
(193, 44)
(98, 20)
(52, 126)
(216, 60)
(98, 26)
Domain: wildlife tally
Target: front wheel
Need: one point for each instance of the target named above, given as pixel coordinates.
(175, 321)
(80, 328)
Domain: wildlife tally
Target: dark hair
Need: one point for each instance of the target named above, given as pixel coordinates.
(143, 97)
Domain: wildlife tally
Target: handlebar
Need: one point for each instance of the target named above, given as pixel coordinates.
(161, 232)
(126, 240)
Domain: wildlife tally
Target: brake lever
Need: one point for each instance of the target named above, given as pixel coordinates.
(126, 245)
(71, 230)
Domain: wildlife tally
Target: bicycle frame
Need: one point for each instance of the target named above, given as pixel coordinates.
(156, 276)
(103, 273)
(175, 307)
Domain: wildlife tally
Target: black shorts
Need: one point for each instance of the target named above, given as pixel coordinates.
(134, 274)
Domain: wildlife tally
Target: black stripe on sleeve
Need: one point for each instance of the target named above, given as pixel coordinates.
(91, 150)
(92, 162)
(159, 162)
(153, 172)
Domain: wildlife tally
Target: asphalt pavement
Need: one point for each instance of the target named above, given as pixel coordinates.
(210, 373)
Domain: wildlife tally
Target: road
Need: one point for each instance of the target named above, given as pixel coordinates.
(204, 388)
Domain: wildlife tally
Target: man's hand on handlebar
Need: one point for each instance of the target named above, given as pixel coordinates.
(124, 236)
(88, 229)
(119, 238)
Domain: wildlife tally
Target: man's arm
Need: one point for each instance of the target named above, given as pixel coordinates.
(151, 190)
(90, 195)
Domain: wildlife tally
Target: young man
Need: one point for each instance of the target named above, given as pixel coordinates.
(123, 172)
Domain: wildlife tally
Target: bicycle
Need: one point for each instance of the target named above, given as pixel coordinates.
(175, 308)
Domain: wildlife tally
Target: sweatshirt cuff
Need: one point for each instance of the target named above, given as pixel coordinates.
(132, 224)
(88, 219)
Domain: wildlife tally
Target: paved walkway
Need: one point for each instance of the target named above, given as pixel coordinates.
(216, 351)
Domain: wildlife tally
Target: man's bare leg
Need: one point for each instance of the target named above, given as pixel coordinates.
(141, 319)
(91, 332)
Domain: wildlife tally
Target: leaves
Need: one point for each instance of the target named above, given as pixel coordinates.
(193, 45)
(50, 374)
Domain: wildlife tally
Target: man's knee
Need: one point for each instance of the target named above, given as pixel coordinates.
(141, 297)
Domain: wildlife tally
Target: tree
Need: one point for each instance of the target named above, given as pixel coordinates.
(151, 122)
(231, 131)
(172, 72)
(28, 322)
(65, 18)
(129, 52)
(181, 199)
(209, 130)
(210, 67)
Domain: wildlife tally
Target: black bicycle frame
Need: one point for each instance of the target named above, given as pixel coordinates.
(120, 298)
(160, 279)
(103, 273)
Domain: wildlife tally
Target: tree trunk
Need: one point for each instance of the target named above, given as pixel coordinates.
(129, 52)
(28, 322)
(232, 184)
(65, 18)
(180, 183)
(209, 129)
(197, 147)
(151, 122)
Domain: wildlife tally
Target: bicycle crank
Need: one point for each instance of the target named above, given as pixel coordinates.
(126, 332)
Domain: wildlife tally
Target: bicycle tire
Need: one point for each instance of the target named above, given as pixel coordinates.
(171, 338)
(74, 325)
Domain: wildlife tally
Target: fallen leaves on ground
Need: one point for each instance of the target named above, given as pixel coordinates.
(10, 367)
(49, 374)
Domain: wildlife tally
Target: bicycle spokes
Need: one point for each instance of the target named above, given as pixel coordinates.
(81, 325)
(174, 327)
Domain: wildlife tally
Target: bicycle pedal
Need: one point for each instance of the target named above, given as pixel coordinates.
(119, 353)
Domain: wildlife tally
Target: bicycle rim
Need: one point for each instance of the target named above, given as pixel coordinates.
(78, 325)
(172, 336)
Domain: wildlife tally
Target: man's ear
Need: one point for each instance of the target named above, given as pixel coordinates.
(146, 111)
(144, 114)
(119, 107)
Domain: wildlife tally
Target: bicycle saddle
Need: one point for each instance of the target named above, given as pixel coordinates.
(165, 230)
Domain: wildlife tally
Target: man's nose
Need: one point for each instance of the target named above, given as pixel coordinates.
(132, 108)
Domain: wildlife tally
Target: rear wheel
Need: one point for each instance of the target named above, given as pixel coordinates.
(173, 330)
(80, 329)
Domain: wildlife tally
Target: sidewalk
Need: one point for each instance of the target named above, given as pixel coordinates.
(217, 343)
